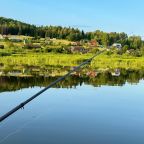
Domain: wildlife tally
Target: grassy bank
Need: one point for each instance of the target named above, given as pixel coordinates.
(43, 59)
(102, 61)
(118, 62)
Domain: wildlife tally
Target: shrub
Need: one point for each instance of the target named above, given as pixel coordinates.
(5, 54)
(1, 46)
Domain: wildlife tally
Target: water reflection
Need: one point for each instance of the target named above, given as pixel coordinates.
(95, 78)
(88, 114)
(116, 72)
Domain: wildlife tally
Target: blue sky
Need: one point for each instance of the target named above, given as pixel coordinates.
(106, 15)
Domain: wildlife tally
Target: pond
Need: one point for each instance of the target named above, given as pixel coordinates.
(102, 109)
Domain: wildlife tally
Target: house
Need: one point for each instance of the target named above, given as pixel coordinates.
(15, 40)
(117, 45)
(93, 43)
(31, 46)
(92, 74)
(78, 49)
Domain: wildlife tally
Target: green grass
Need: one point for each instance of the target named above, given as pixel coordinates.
(118, 61)
(18, 56)
(42, 60)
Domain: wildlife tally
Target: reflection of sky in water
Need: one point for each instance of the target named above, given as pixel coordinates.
(86, 114)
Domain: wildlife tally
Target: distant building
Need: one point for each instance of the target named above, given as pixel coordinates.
(15, 40)
(117, 45)
(78, 49)
(92, 74)
(31, 46)
(93, 43)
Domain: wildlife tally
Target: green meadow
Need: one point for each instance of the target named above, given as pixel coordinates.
(51, 59)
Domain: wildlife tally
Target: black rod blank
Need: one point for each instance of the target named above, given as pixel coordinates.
(2, 118)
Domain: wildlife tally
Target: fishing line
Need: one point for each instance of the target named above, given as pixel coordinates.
(18, 130)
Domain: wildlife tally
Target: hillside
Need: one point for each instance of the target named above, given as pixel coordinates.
(14, 27)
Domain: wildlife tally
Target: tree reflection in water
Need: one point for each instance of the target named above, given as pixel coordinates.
(95, 78)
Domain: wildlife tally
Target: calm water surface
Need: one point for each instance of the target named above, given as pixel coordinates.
(79, 115)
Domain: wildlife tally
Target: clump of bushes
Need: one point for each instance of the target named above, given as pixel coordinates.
(136, 53)
(10, 45)
(58, 50)
(5, 54)
(1, 46)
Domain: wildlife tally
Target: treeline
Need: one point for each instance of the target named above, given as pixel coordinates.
(108, 39)
(14, 27)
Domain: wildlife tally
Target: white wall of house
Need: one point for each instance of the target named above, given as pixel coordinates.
(117, 45)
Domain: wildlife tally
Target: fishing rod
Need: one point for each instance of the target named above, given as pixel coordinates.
(21, 105)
